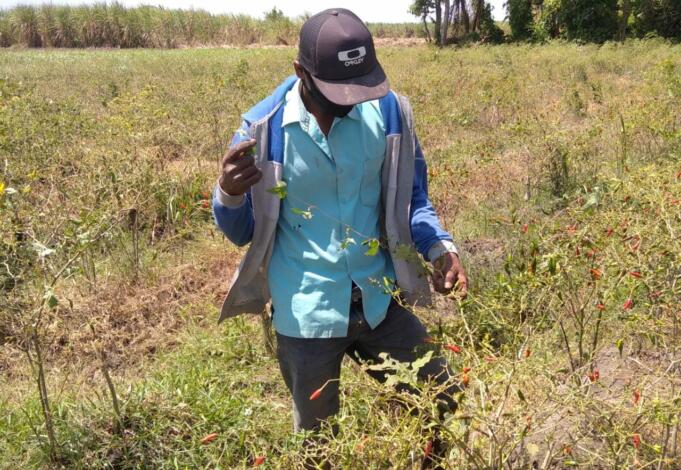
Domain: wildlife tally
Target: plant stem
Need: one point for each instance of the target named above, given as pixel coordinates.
(44, 399)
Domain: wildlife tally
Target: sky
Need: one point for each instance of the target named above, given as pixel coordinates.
(387, 11)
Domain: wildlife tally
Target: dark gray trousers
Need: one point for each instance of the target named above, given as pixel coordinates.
(308, 363)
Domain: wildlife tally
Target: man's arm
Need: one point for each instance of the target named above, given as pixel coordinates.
(431, 240)
(232, 205)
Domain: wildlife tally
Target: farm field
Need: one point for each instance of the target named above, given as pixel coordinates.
(557, 168)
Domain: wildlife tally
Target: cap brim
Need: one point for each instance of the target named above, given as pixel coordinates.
(351, 91)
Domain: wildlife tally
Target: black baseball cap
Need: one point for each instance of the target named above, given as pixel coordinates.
(337, 49)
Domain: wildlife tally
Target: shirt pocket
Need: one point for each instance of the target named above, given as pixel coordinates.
(370, 190)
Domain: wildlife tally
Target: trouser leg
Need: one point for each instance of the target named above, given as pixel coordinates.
(306, 365)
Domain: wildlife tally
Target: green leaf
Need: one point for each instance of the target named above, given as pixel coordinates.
(307, 215)
(50, 299)
(593, 200)
(279, 190)
(347, 242)
(620, 345)
(391, 380)
(372, 246)
(422, 361)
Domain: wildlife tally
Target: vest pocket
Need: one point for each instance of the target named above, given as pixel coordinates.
(370, 190)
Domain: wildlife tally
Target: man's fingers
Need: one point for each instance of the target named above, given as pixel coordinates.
(253, 179)
(462, 283)
(243, 162)
(238, 151)
(245, 175)
(243, 146)
(249, 172)
(450, 277)
(438, 281)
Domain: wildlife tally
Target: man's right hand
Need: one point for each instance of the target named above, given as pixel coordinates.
(239, 172)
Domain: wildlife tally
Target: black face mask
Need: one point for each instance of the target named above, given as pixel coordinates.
(328, 106)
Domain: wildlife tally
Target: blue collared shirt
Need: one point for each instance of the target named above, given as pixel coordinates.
(327, 222)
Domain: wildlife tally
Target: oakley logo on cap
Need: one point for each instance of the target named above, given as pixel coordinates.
(352, 56)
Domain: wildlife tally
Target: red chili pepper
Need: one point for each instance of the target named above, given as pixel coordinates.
(609, 232)
(466, 370)
(209, 438)
(567, 450)
(454, 348)
(636, 440)
(628, 304)
(428, 449)
(594, 375)
(637, 396)
(360, 445)
(528, 352)
(259, 460)
(205, 204)
(600, 306)
(635, 274)
(525, 228)
(596, 274)
(465, 380)
(316, 393)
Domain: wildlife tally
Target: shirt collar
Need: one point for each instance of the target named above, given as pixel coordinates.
(295, 111)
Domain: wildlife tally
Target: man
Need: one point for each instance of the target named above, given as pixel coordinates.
(332, 201)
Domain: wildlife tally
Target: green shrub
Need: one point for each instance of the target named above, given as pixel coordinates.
(589, 20)
(520, 18)
(661, 17)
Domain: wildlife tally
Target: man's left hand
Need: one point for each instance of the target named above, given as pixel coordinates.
(448, 274)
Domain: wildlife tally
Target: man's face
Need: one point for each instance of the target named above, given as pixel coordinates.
(313, 92)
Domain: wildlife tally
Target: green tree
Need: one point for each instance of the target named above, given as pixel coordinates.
(547, 25)
(490, 32)
(520, 18)
(589, 20)
(274, 14)
(466, 19)
(661, 17)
